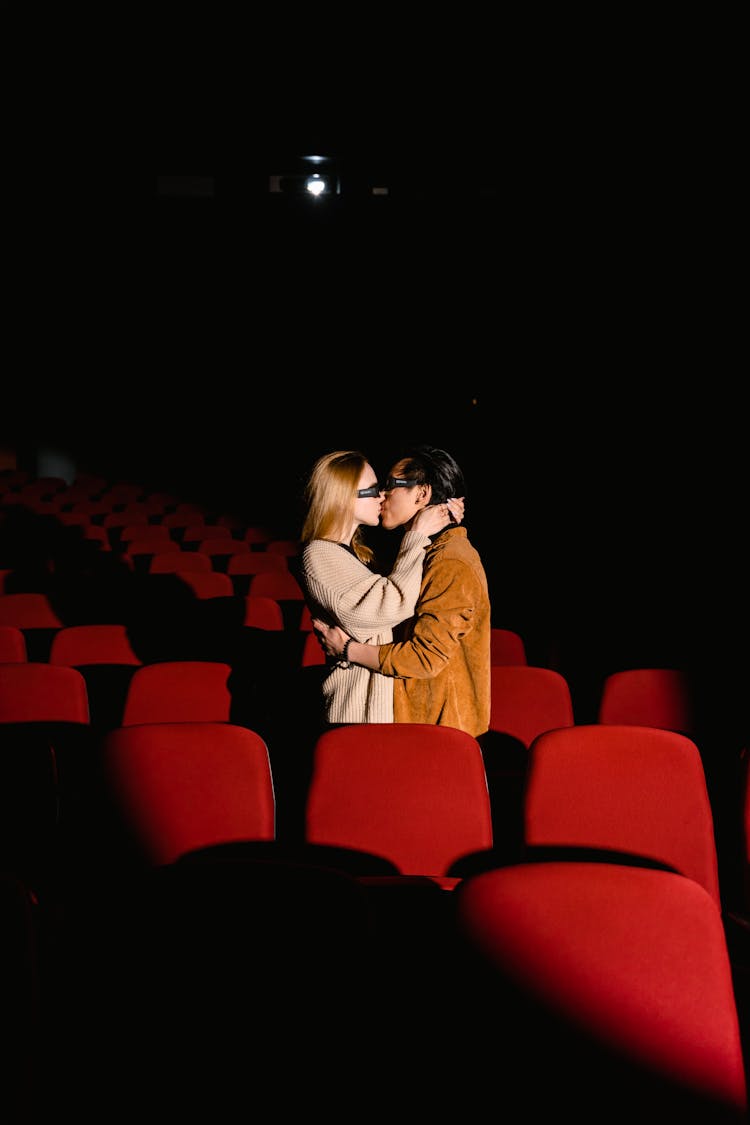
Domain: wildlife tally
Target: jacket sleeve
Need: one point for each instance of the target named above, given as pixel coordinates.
(367, 605)
(447, 606)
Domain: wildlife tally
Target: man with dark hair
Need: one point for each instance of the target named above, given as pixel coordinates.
(440, 657)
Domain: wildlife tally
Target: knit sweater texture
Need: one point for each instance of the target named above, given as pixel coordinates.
(344, 591)
(441, 667)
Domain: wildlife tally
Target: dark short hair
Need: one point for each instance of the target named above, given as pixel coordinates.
(428, 465)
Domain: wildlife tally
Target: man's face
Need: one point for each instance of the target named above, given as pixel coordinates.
(402, 501)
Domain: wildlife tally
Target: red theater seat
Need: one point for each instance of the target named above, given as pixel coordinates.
(176, 691)
(12, 645)
(506, 647)
(648, 697)
(189, 785)
(413, 794)
(631, 789)
(74, 645)
(615, 986)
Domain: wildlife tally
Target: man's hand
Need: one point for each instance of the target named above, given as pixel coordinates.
(332, 637)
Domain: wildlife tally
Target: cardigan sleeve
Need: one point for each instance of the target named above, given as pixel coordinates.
(367, 605)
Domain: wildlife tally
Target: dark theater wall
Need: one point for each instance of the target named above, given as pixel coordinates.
(560, 319)
(562, 345)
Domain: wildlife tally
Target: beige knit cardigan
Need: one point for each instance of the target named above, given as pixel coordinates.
(344, 591)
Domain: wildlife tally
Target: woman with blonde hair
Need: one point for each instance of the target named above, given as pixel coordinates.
(342, 587)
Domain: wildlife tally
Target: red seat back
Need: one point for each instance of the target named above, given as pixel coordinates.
(28, 611)
(412, 793)
(263, 613)
(632, 789)
(628, 977)
(171, 561)
(506, 647)
(45, 693)
(526, 700)
(648, 697)
(178, 691)
(276, 584)
(189, 785)
(92, 644)
(12, 645)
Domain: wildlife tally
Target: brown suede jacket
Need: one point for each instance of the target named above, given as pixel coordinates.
(441, 657)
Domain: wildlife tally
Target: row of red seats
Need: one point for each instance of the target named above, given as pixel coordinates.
(416, 797)
(413, 795)
(612, 917)
(521, 699)
(611, 921)
(527, 701)
(125, 507)
(232, 559)
(33, 610)
(191, 691)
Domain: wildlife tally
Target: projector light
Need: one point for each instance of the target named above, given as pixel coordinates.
(315, 184)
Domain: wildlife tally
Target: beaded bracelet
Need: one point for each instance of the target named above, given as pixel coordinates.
(345, 654)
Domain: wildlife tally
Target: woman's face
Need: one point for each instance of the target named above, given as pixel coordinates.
(367, 508)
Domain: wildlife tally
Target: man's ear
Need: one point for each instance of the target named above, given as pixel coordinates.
(424, 492)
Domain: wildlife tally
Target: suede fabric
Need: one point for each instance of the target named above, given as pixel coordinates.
(440, 658)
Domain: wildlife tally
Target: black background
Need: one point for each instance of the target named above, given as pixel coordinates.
(547, 292)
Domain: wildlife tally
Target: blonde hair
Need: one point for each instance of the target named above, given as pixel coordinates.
(330, 495)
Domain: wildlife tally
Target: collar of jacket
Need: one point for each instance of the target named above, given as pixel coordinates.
(449, 529)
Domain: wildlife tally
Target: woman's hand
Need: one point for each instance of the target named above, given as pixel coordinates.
(433, 519)
(332, 637)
